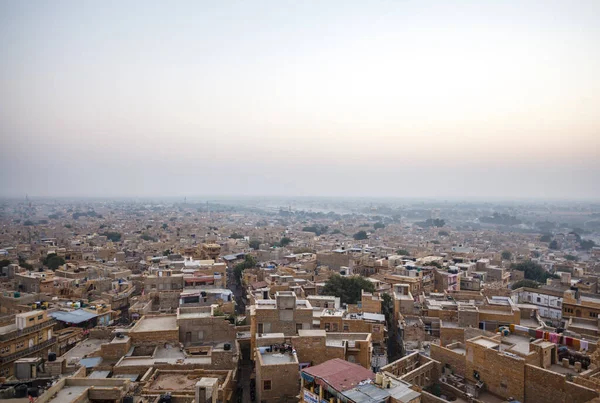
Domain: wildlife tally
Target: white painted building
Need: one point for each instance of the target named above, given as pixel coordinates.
(548, 301)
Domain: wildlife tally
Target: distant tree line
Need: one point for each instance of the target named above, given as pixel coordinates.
(431, 222)
(317, 229)
(500, 219)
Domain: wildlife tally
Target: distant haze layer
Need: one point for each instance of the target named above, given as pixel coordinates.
(496, 99)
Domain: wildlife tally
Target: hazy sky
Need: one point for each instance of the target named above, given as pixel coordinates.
(449, 99)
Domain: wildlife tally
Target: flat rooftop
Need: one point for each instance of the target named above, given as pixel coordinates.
(84, 348)
(486, 343)
(521, 343)
(156, 323)
(277, 358)
(69, 394)
(194, 315)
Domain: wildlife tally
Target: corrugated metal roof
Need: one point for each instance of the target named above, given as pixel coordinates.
(77, 316)
(368, 393)
(339, 374)
(90, 362)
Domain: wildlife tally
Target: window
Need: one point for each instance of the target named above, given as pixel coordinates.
(260, 328)
(266, 385)
(41, 317)
(298, 326)
(31, 319)
(346, 328)
(539, 299)
(327, 327)
(593, 314)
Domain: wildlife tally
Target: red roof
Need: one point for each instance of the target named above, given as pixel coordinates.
(341, 375)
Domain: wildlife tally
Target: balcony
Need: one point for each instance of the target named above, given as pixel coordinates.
(18, 333)
(26, 352)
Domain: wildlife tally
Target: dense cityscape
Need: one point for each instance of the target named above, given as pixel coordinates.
(274, 300)
(311, 201)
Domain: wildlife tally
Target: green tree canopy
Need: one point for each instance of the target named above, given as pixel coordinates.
(443, 233)
(24, 264)
(403, 252)
(53, 261)
(430, 222)
(525, 283)
(378, 225)
(254, 244)
(317, 229)
(285, 241)
(506, 255)
(348, 289)
(587, 244)
(571, 258)
(248, 263)
(235, 235)
(546, 238)
(360, 235)
(533, 271)
(553, 245)
(112, 235)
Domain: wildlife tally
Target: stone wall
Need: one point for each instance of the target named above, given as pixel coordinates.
(542, 386)
(206, 330)
(502, 374)
(115, 350)
(451, 335)
(448, 357)
(284, 380)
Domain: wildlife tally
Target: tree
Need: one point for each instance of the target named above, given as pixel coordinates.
(285, 241)
(554, 245)
(165, 226)
(317, 229)
(4, 263)
(403, 252)
(112, 235)
(53, 261)
(235, 235)
(525, 283)
(587, 244)
(28, 223)
(506, 255)
(387, 306)
(254, 244)
(533, 271)
(348, 289)
(378, 225)
(147, 237)
(571, 258)
(167, 252)
(238, 269)
(434, 263)
(546, 238)
(24, 264)
(430, 222)
(443, 233)
(360, 235)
